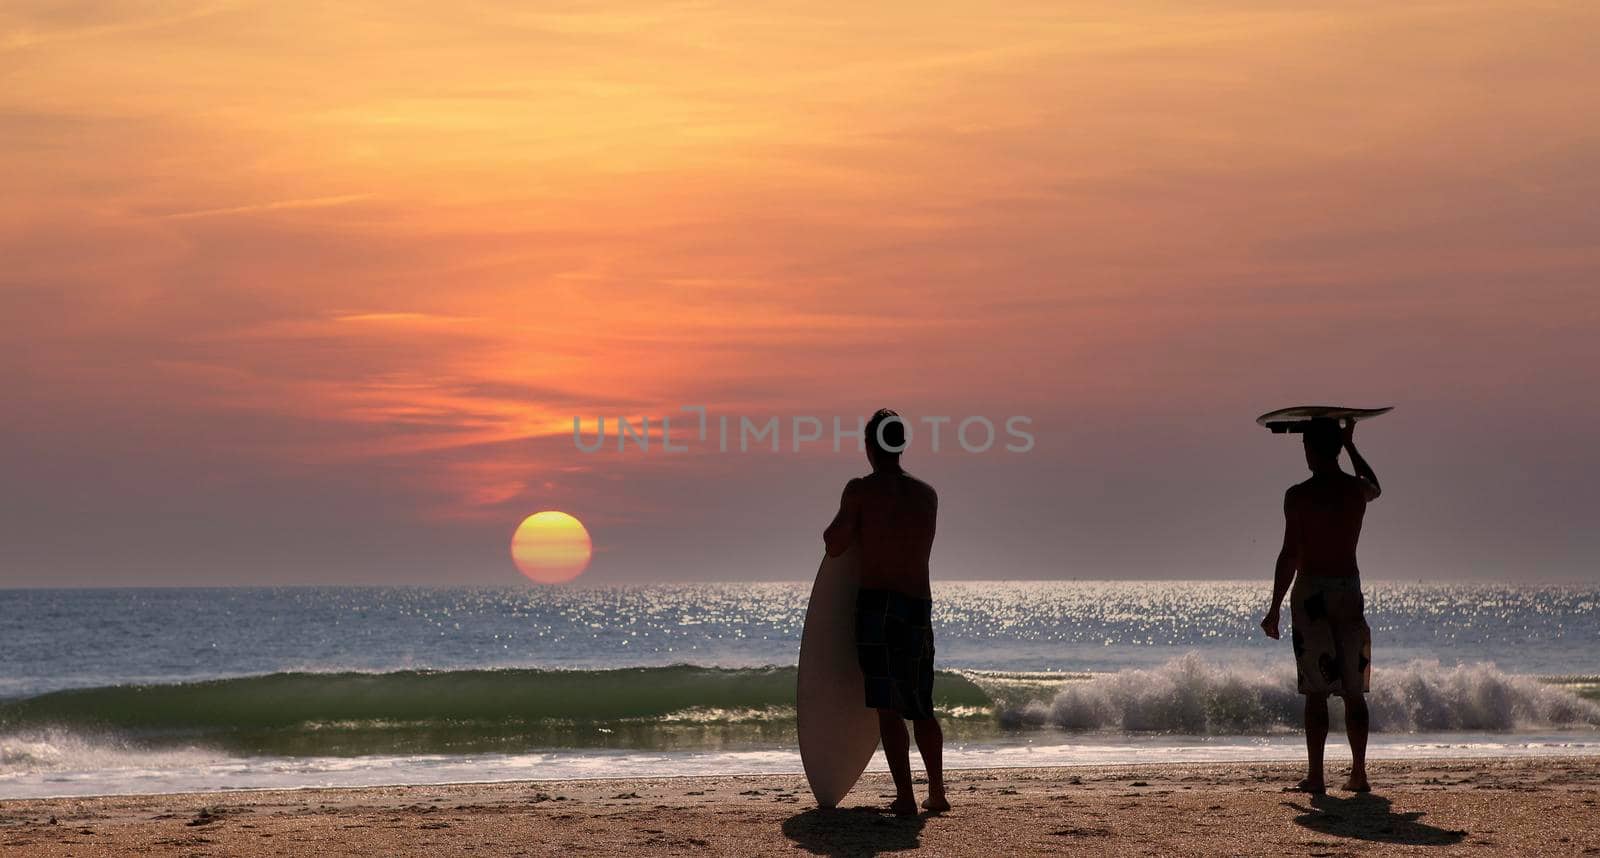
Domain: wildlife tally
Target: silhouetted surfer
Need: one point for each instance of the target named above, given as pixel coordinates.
(1332, 644)
(890, 515)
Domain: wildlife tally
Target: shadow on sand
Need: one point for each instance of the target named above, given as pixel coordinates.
(856, 831)
(1370, 817)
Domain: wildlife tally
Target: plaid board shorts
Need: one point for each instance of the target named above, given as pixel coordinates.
(894, 643)
(1332, 642)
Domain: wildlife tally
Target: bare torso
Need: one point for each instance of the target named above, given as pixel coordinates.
(1325, 514)
(896, 515)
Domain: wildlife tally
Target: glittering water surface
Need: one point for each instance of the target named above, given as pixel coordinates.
(74, 638)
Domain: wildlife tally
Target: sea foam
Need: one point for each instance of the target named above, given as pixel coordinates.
(1193, 696)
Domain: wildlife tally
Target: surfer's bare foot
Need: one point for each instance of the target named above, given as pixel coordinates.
(1314, 787)
(904, 806)
(936, 803)
(1357, 783)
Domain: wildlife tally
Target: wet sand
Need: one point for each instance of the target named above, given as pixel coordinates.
(1439, 807)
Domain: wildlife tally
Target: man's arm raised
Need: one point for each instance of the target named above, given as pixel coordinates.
(1363, 470)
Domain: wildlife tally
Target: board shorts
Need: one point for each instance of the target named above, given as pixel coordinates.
(894, 643)
(1332, 642)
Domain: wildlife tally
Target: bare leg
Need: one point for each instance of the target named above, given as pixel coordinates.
(1316, 739)
(930, 741)
(1356, 721)
(897, 750)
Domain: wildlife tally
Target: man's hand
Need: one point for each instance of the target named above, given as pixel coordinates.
(1349, 432)
(1270, 624)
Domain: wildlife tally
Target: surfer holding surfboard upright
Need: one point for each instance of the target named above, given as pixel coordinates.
(1332, 642)
(889, 516)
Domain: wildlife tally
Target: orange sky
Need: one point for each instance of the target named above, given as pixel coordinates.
(315, 294)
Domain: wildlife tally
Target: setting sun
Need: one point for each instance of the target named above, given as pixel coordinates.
(551, 547)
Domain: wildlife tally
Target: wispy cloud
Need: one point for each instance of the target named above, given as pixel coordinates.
(272, 206)
(403, 319)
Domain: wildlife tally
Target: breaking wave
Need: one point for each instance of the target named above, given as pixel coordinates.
(700, 708)
(55, 749)
(1192, 696)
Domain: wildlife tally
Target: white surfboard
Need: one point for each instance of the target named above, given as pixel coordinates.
(1296, 419)
(838, 733)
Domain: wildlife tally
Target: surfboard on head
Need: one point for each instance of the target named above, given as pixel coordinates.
(1296, 419)
(838, 733)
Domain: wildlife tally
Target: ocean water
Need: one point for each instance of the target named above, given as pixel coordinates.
(155, 690)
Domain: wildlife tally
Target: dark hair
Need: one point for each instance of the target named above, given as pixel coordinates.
(1324, 439)
(894, 433)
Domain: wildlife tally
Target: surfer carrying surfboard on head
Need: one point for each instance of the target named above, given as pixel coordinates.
(889, 516)
(1332, 642)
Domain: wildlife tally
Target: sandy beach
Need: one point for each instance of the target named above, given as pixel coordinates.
(1494, 807)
